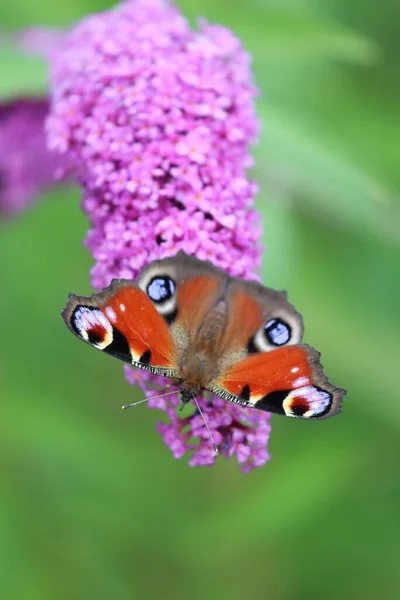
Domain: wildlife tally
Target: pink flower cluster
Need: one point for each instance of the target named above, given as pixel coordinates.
(155, 120)
(236, 430)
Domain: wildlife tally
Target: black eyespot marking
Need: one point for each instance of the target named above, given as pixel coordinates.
(95, 336)
(170, 317)
(94, 327)
(119, 347)
(277, 332)
(245, 393)
(299, 409)
(273, 402)
(146, 357)
(91, 325)
(251, 347)
(160, 289)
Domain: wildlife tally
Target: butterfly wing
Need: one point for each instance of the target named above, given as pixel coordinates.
(288, 381)
(150, 323)
(123, 321)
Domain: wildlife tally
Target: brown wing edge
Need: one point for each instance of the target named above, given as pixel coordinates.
(104, 336)
(94, 300)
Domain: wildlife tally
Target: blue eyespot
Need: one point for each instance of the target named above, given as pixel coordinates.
(277, 332)
(160, 289)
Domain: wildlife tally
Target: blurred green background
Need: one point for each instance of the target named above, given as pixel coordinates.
(92, 505)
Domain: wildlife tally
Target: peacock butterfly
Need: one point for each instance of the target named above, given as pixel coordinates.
(188, 320)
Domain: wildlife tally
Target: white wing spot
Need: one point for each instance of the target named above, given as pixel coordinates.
(301, 381)
(295, 369)
(122, 307)
(110, 312)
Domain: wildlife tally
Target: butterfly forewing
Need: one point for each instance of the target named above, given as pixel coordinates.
(122, 321)
(288, 381)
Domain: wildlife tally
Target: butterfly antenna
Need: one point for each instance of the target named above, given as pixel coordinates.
(214, 445)
(125, 406)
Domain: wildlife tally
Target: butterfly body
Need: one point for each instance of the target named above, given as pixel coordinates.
(206, 355)
(188, 320)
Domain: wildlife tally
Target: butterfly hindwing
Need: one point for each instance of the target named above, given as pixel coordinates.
(122, 321)
(197, 285)
(288, 381)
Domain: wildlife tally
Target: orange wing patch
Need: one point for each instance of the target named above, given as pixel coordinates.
(196, 297)
(284, 368)
(288, 381)
(122, 321)
(243, 305)
(132, 313)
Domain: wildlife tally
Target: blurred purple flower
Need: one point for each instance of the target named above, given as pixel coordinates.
(155, 120)
(26, 166)
(41, 41)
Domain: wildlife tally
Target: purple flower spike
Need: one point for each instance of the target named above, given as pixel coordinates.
(26, 166)
(156, 120)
